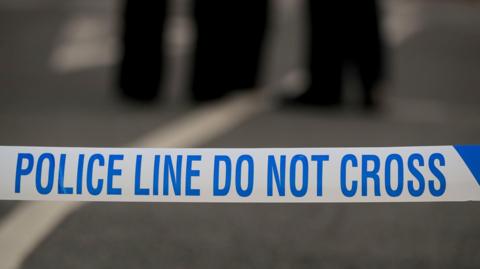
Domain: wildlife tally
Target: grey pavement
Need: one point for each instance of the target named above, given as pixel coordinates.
(432, 97)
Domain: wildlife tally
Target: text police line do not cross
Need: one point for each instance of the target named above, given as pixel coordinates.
(177, 174)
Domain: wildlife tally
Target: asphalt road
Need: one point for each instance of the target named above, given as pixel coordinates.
(432, 97)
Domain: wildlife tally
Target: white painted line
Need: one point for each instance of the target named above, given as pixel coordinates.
(86, 41)
(26, 226)
(89, 41)
(29, 223)
(206, 122)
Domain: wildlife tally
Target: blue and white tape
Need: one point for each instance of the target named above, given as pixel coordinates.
(307, 175)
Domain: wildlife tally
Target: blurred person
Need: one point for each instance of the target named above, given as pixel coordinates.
(230, 35)
(229, 41)
(142, 48)
(342, 32)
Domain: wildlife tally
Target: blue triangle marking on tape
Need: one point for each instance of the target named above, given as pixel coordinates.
(471, 156)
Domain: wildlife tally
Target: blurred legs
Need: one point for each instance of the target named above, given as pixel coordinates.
(229, 41)
(141, 65)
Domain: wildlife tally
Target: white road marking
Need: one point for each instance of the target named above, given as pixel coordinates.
(28, 225)
(85, 41)
(206, 122)
(91, 40)
(30, 222)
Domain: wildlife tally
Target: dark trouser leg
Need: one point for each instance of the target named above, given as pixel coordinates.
(326, 53)
(141, 63)
(229, 41)
(367, 51)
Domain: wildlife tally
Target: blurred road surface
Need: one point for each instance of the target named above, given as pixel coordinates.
(56, 90)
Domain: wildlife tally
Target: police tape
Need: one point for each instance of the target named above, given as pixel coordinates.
(311, 175)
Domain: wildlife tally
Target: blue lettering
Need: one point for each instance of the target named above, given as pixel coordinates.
(61, 177)
(238, 175)
(81, 160)
(372, 174)
(138, 170)
(217, 191)
(22, 171)
(101, 162)
(51, 170)
(417, 175)
(189, 191)
(320, 159)
(437, 173)
(388, 175)
(156, 168)
(343, 175)
(272, 171)
(293, 172)
(175, 175)
(112, 171)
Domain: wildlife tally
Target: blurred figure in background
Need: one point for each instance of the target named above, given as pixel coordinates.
(142, 40)
(230, 36)
(229, 41)
(342, 32)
